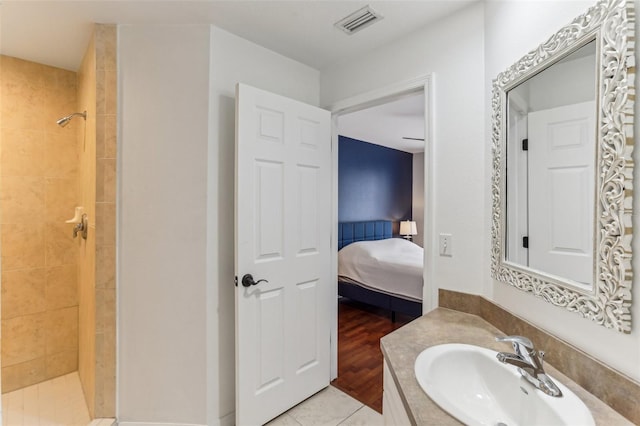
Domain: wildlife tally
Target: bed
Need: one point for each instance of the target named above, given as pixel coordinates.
(377, 269)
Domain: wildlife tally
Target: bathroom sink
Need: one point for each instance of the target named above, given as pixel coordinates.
(469, 383)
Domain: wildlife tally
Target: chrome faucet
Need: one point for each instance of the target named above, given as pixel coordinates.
(529, 363)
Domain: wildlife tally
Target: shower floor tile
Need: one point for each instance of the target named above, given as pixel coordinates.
(59, 401)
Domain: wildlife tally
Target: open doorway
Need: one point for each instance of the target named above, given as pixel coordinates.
(380, 183)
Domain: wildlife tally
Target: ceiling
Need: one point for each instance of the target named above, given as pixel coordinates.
(56, 33)
(388, 124)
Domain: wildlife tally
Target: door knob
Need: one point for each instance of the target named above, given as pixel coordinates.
(247, 280)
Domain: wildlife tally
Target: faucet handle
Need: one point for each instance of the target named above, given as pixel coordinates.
(516, 339)
(517, 342)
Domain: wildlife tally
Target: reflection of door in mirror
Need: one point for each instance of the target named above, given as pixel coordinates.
(561, 186)
(551, 153)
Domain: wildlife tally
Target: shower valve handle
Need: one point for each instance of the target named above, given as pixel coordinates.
(81, 227)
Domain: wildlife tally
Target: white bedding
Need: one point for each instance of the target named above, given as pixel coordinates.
(392, 266)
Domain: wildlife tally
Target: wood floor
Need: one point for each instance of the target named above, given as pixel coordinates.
(360, 328)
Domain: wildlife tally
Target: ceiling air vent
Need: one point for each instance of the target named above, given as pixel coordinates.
(358, 20)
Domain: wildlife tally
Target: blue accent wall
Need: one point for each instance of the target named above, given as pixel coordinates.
(374, 182)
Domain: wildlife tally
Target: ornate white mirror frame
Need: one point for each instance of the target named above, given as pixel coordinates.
(611, 24)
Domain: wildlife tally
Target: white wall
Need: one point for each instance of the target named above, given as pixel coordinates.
(565, 83)
(453, 49)
(533, 23)
(176, 241)
(163, 78)
(233, 60)
(417, 213)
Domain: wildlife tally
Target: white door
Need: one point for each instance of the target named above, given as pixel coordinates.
(283, 163)
(561, 190)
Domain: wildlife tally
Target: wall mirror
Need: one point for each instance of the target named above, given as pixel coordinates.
(562, 137)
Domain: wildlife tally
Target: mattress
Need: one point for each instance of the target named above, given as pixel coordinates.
(393, 266)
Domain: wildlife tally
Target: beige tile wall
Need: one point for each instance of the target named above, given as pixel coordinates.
(38, 192)
(97, 93)
(105, 255)
(87, 248)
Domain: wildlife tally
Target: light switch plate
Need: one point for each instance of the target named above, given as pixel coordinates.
(446, 248)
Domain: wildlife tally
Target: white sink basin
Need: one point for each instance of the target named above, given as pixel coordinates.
(473, 386)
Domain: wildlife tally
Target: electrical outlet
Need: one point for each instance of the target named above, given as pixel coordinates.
(446, 249)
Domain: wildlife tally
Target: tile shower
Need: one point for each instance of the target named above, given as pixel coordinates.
(58, 293)
(38, 190)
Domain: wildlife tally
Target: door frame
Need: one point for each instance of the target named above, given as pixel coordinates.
(365, 100)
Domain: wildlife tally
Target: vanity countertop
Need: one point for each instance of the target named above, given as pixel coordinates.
(401, 348)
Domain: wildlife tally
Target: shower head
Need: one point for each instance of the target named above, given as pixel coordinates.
(65, 120)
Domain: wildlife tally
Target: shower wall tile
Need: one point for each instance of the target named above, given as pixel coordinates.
(105, 190)
(22, 199)
(61, 287)
(38, 192)
(101, 104)
(99, 311)
(23, 338)
(99, 372)
(59, 78)
(100, 137)
(110, 143)
(24, 374)
(87, 315)
(106, 180)
(105, 266)
(109, 362)
(22, 152)
(23, 246)
(23, 292)
(111, 91)
(105, 310)
(62, 330)
(17, 70)
(106, 224)
(87, 95)
(60, 101)
(59, 245)
(99, 187)
(22, 106)
(61, 363)
(109, 318)
(60, 199)
(60, 154)
(106, 46)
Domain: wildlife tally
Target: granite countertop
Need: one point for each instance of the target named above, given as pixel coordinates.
(401, 348)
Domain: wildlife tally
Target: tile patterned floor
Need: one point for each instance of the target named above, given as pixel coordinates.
(59, 401)
(329, 407)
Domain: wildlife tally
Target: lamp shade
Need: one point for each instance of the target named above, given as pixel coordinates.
(408, 227)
